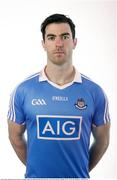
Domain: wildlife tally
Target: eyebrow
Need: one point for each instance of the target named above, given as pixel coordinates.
(50, 35)
(63, 34)
(66, 33)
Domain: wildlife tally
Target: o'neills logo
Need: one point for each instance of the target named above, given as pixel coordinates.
(38, 102)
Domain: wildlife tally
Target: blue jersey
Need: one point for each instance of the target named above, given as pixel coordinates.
(58, 120)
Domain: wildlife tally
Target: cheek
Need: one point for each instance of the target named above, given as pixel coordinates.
(70, 46)
(49, 46)
(46, 47)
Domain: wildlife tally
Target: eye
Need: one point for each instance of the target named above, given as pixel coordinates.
(51, 38)
(65, 37)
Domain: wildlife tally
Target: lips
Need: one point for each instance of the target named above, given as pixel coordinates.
(59, 52)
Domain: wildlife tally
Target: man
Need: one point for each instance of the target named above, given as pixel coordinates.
(59, 108)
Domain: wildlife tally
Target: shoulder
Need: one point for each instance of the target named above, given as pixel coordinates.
(95, 90)
(90, 84)
(27, 83)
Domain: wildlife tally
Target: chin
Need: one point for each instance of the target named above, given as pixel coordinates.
(59, 62)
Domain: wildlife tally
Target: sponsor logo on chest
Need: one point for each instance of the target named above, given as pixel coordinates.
(58, 127)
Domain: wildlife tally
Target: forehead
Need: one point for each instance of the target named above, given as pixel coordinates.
(57, 28)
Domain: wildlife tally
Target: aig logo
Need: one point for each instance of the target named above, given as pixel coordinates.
(58, 127)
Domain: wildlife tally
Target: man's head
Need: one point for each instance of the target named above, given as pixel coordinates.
(59, 40)
(57, 18)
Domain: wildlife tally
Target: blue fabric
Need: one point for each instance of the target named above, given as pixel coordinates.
(58, 123)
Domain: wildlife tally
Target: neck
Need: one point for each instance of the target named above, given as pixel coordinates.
(60, 74)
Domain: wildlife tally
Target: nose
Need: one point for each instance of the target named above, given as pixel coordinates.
(59, 42)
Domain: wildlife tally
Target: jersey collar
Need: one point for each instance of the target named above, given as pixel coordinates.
(43, 77)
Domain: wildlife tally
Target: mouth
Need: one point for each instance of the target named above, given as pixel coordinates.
(59, 52)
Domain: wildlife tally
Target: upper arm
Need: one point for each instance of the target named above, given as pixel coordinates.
(15, 130)
(16, 111)
(101, 133)
(101, 108)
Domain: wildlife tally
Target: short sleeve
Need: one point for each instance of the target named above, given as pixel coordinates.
(101, 112)
(15, 112)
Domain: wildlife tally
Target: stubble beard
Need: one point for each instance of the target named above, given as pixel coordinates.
(58, 60)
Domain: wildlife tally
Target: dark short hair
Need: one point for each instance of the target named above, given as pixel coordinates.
(57, 18)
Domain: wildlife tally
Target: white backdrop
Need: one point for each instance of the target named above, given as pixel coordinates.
(21, 54)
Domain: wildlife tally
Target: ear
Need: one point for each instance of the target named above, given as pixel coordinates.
(74, 43)
(43, 44)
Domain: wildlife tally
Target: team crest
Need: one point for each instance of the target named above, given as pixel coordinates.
(80, 104)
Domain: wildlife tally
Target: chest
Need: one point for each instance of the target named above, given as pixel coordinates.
(58, 113)
(74, 101)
